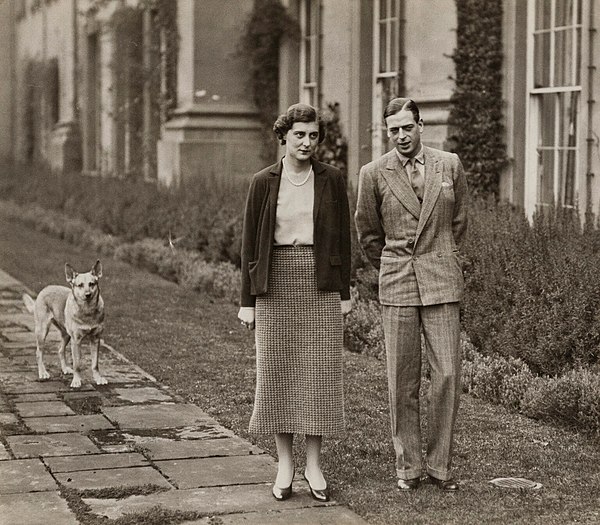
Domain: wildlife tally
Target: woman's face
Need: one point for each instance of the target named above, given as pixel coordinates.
(302, 140)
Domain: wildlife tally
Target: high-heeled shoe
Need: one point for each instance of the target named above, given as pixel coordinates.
(321, 495)
(281, 494)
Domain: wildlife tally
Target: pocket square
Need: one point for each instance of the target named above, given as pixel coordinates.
(446, 184)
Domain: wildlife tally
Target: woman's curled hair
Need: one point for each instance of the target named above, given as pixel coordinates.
(297, 113)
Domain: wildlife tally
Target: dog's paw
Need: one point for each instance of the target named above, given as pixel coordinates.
(76, 383)
(67, 370)
(100, 380)
(43, 374)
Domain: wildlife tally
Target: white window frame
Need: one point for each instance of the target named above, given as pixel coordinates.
(381, 75)
(532, 186)
(310, 33)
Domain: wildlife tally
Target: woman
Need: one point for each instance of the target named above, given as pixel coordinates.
(295, 288)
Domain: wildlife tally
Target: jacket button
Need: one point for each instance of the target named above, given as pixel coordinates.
(410, 243)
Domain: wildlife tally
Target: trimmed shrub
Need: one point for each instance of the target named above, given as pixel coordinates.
(203, 215)
(572, 398)
(532, 290)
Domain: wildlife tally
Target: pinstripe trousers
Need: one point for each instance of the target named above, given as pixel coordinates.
(441, 329)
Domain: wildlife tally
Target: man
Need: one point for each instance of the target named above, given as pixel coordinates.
(411, 219)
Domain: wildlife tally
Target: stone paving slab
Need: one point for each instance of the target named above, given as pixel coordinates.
(211, 472)
(146, 394)
(35, 387)
(27, 446)
(305, 516)
(4, 454)
(166, 415)
(211, 501)
(43, 408)
(116, 477)
(8, 418)
(28, 398)
(95, 462)
(25, 475)
(160, 448)
(36, 508)
(68, 423)
(24, 318)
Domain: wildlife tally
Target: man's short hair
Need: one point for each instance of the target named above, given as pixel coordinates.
(398, 104)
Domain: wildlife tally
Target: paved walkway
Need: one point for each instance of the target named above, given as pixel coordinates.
(128, 438)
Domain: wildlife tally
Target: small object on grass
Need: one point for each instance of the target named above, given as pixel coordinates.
(516, 483)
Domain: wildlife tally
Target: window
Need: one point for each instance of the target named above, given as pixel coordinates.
(386, 61)
(310, 52)
(555, 100)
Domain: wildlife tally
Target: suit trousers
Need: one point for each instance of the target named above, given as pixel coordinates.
(441, 330)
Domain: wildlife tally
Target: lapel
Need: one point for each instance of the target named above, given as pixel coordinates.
(320, 180)
(274, 181)
(433, 184)
(395, 175)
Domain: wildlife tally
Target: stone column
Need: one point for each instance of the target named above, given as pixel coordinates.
(214, 132)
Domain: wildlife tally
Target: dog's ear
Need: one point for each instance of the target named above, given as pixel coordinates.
(97, 269)
(70, 273)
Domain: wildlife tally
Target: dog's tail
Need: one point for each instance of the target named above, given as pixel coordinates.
(29, 303)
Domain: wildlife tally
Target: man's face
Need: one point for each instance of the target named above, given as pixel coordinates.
(404, 132)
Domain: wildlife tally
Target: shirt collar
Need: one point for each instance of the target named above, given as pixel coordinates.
(418, 157)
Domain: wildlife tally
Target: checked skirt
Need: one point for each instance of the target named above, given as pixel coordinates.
(299, 340)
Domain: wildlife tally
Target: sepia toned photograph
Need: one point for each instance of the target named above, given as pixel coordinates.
(299, 262)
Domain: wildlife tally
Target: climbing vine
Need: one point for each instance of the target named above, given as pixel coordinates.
(267, 25)
(476, 115)
(334, 148)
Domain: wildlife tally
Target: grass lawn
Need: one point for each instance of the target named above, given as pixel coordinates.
(195, 345)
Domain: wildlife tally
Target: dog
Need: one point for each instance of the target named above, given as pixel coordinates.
(77, 312)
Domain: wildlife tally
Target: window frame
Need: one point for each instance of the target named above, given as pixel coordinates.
(533, 186)
(388, 79)
(310, 31)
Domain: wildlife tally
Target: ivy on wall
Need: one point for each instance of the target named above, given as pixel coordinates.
(476, 115)
(334, 148)
(267, 25)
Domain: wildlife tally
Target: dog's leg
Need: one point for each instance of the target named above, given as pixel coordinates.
(76, 353)
(100, 380)
(41, 331)
(61, 353)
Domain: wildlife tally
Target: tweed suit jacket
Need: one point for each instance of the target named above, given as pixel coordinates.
(415, 246)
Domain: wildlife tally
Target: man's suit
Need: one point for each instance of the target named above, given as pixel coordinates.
(415, 247)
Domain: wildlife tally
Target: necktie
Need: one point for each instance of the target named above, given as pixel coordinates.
(416, 179)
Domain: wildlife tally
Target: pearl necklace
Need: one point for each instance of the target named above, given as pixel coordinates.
(287, 175)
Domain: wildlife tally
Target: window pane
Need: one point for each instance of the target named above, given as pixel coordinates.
(394, 8)
(547, 119)
(382, 9)
(566, 167)
(382, 47)
(308, 4)
(546, 176)
(578, 8)
(543, 14)
(563, 56)
(568, 103)
(563, 13)
(307, 60)
(542, 60)
(394, 45)
(577, 64)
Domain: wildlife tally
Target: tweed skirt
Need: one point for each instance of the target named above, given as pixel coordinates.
(299, 341)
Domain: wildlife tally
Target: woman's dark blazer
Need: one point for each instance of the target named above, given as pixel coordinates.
(331, 233)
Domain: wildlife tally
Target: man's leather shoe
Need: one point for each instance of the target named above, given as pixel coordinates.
(444, 484)
(409, 484)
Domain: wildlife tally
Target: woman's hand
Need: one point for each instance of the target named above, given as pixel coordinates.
(346, 306)
(246, 316)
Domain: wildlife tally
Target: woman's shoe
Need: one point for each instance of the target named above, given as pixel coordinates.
(319, 495)
(282, 494)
